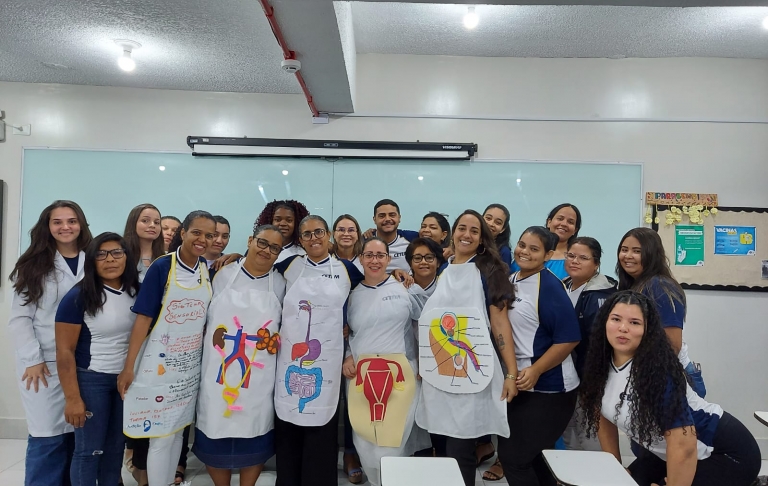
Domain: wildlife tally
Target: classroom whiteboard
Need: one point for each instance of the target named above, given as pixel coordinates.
(107, 184)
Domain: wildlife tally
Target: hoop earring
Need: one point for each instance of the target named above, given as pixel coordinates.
(481, 252)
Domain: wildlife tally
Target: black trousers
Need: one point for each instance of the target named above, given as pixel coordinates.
(307, 456)
(735, 460)
(536, 421)
(463, 450)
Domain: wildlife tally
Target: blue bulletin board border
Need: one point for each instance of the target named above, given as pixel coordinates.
(727, 288)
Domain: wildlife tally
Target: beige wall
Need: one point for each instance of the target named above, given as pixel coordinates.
(682, 118)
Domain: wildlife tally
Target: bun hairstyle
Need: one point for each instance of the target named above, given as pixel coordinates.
(557, 209)
(176, 241)
(444, 226)
(549, 240)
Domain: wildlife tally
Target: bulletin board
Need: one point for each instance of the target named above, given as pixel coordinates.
(735, 253)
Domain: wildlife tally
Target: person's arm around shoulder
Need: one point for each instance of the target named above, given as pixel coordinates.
(70, 318)
(502, 332)
(681, 455)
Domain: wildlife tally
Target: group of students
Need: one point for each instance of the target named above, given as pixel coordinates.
(445, 337)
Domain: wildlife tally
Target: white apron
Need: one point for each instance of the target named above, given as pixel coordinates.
(308, 380)
(383, 395)
(238, 376)
(161, 401)
(462, 380)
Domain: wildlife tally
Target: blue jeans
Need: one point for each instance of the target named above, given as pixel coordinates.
(48, 459)
(697, 381)
(99, 443)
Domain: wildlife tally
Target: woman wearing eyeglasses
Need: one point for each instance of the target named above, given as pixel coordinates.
(235, 409)
(588, 290)
(93, 326)
(381, 365)
(307, 384)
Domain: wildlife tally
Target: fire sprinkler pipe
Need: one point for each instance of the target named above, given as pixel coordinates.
(269, 11)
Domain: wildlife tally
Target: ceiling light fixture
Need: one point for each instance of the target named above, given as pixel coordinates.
(421, 178)
(765, 23)
(125, 61)
(285, 172)
(471, 19)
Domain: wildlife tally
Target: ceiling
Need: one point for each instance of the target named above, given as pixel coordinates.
(560, 31)
(228, 45)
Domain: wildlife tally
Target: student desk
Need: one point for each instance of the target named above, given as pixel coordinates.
(762, 417)
(420, 471)
(587, 468)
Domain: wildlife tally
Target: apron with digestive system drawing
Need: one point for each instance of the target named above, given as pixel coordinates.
(239, 358)
(311, 351)
(162, 398)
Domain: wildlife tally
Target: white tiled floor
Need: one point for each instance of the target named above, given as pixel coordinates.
(12, 469)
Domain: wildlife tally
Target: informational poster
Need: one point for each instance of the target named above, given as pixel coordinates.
(735, 240)
(689, 246)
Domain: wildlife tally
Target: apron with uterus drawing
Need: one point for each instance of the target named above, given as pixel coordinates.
(311, 351)
(382, 395)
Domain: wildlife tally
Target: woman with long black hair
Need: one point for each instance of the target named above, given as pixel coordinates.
(634, 382)
(496, 216)
(464, 390)
(546, 331)
(643, 267)
(93, 326)
(43, 275)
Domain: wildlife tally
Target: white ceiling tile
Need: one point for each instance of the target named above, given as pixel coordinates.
(561, 31)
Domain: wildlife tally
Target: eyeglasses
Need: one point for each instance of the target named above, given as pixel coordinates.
(318, 233)
(117, 254)
(573, 256)
(273, 249)
(369, 255)
(429, 258)
(346, 230)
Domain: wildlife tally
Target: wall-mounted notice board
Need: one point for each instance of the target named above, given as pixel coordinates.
(728, 252)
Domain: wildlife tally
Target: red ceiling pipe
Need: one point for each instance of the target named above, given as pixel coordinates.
(269, 11)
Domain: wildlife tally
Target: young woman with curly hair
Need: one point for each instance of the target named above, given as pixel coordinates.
(286, 215)
(633, 381)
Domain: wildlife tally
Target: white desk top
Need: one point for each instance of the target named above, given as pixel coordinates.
(762, 417)
(587, 468)
(420, 471)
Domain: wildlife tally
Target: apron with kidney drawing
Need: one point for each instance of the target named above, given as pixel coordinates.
(461, 375)
(162, 398)
(239, 348)
(311, 351)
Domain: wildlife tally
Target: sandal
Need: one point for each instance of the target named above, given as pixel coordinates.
(491, 475)
(487, 456)
(179, 478)
(355, 474)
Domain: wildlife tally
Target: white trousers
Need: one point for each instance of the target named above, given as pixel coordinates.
(162, 458)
